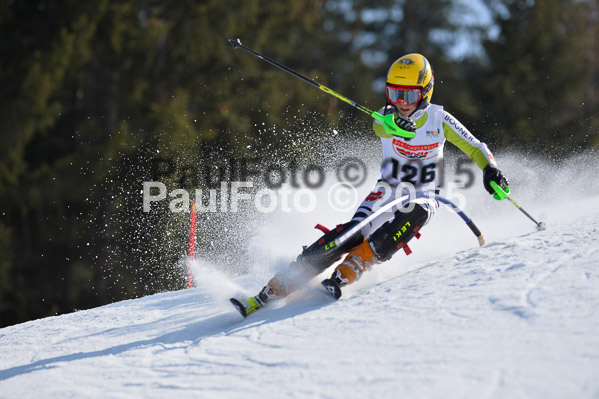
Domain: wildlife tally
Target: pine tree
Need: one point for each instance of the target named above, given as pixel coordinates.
(541, 73)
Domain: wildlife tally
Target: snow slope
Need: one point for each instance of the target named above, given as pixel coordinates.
(517, 318)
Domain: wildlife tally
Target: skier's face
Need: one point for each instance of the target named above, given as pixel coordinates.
(406, 109)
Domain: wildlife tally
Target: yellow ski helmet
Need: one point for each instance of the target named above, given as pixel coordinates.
(413, 70)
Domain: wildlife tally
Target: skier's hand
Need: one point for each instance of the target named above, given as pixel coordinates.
(491, 173)
(405, 123)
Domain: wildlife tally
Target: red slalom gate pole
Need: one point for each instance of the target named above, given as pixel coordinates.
(192, 242)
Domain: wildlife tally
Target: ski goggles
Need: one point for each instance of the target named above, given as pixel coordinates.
(404, 94)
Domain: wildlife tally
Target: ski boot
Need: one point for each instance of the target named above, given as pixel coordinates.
(250, 304)
(359, 260)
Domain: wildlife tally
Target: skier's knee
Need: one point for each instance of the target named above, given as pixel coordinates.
(327, 249)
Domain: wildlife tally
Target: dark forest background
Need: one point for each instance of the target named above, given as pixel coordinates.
(99, 96)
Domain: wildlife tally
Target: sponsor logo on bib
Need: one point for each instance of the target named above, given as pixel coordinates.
(406, 150)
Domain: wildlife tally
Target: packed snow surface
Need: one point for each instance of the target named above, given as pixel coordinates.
(517, 318)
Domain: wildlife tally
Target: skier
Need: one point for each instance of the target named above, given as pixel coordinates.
(415, 162)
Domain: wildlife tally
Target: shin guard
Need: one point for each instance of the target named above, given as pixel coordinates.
(313, 260)
(395, 234)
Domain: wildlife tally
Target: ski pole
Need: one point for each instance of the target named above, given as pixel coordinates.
(501, 194)
(401, 202)
(387, 121)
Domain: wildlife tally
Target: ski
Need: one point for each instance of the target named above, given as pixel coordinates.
(247, 306)
(332, 287)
